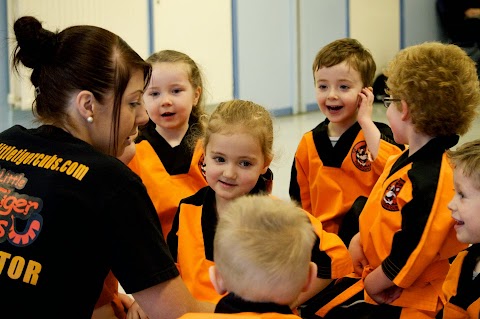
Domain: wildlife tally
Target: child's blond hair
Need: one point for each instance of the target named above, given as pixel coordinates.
(242, 116)
(467, 158)
(262, 248)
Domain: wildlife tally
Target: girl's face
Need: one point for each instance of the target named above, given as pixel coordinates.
(337, 91)
(233, 164)
(170, 96)
(465, 207)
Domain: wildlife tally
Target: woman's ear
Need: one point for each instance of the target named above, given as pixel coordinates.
(84, 104)
(217, 280)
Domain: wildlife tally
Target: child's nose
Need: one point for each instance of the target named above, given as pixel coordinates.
(166, 100)
(332, 94)
(229, 171)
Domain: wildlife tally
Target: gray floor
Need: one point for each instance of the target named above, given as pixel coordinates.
(289, 130)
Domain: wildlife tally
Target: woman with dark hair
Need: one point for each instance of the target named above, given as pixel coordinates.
(69, 210)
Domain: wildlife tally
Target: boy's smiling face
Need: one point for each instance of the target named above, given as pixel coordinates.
(465, 207)
(336, 91)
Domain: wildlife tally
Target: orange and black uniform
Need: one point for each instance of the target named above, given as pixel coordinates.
(191, 244)
(169, 173)
(461, 288)
(232, 303)
(407, 229)
(327, 179)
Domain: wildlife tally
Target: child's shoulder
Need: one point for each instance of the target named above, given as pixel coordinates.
(382, 126)
(198, 198)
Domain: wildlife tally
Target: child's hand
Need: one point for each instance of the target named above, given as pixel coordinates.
(358, 257)
(380, 288)
(386, 296)
(365, 105)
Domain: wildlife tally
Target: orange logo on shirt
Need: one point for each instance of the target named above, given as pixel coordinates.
(389, 201)
(18, 209)
(359, 157)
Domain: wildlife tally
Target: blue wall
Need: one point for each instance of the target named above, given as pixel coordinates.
(419, 22)
(265, 52)
(8, 117)
(4, 114)
(322, 22)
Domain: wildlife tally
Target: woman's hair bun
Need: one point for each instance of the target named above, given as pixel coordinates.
(36, 45)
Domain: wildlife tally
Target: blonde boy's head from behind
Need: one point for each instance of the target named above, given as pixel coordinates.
(439, 83)
(262, 250)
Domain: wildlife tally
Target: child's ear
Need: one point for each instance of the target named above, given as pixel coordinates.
(197, 93)
(217, 280)
(405, 111)
(312, 274)
(266, 166)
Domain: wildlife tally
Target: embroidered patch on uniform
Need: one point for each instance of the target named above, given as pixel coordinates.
(389, 201)
(359, 157)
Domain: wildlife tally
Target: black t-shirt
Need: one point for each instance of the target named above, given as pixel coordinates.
(69, 214)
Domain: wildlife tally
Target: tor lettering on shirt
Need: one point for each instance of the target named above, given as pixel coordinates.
(20, 225)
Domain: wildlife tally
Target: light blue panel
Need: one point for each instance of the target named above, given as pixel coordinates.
(320, 23)
(4, 116)
(8, 117)
(419, 22)
(264, 52)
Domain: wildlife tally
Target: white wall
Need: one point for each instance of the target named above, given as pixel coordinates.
(377, 27)
(203, 30)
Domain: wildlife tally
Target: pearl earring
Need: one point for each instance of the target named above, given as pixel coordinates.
(90, 119)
